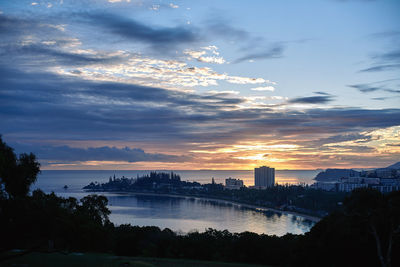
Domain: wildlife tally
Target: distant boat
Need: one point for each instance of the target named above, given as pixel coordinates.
(65, 187)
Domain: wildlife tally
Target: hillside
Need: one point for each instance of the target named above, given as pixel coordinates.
(332, 175)
(394, 166)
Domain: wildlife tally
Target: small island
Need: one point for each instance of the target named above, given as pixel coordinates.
(154, 182)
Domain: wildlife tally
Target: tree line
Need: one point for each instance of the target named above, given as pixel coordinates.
(363, 232)
(300, 198)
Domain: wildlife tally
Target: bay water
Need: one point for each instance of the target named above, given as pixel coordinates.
(183, 214)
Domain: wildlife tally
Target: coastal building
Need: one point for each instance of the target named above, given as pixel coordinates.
(328, 186)
(348, 187)
(387, 188)
(386, 173)
(232, 183)
(346, 180)
(348, 184)
(264, 177)
(390, 181)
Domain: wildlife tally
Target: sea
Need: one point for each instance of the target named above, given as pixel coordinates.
(183, 214)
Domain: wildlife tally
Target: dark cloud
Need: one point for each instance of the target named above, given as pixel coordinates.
(12, 28)
(389, 56)
(356, 137)
(47, 106)
(386, 85)
(121, 28)
(382, 68)
(321, 93)
(12, 25)
(324, 121)
(365, 88)
(392, 91)
(330, 143)
(220, 27)
(46, 46)
(160, 39)
(274, 52)
(39, 54)
(64, 105)
(67, 154)
(39, 106)
(387, 61)
(130, 29)
(312, 99)
(393, 144)
(354, 149)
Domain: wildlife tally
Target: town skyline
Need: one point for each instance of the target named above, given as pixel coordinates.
(217, 85)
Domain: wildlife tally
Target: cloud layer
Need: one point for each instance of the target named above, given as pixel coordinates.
(74, 102)
(67, 154)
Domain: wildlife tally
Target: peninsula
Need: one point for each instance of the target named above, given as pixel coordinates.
(284, 198)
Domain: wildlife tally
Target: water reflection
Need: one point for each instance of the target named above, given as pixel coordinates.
(187, 213)
(183, 214)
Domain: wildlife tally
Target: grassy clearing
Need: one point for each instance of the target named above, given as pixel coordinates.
(104, 260)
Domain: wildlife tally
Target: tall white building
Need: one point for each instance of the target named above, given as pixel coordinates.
(264, 177)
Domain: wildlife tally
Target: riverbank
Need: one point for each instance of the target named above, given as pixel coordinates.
(240, 204)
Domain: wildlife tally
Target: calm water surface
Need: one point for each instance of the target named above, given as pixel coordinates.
(182, 214)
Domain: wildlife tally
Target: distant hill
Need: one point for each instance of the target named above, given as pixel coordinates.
(332, 175)
(394, 166)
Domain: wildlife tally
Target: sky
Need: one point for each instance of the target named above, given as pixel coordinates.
(188, 85)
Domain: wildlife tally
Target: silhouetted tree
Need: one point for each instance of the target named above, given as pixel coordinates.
(379, 215)
(364, 233)
(95, 207)
(17, 174)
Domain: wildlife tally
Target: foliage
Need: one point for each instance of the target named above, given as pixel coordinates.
(17, 173)
(95, 207)
(364, 232)
(64, 222)
(152, 181)
(343, 238)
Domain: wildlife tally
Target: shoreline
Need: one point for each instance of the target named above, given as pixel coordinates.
(250, 206)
